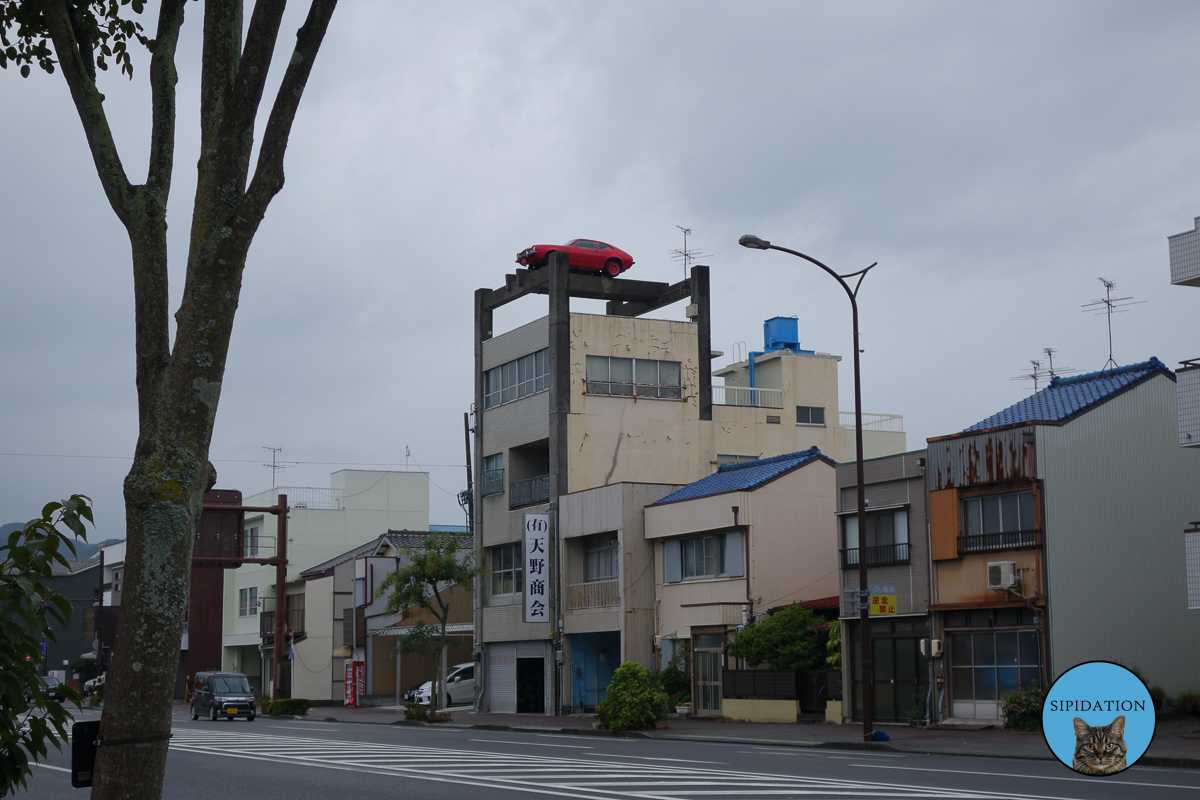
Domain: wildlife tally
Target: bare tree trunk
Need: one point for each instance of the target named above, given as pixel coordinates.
(178, 386)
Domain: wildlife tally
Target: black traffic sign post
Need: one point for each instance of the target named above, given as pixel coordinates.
(83, 752)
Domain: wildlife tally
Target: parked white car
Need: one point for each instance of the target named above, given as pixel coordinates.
(461, 682)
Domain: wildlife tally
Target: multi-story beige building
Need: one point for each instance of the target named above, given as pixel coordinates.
(323, 523)
(572, 402)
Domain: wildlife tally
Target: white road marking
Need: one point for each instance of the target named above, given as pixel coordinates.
(532, 744)
(589, 779)
(1034, 777)
(651, 758)
(47, 766)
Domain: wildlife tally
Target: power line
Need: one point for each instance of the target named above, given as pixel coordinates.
(231, 460)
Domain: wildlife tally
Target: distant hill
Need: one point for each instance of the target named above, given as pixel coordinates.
(82, 549)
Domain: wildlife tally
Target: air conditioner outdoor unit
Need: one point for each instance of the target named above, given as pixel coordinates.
(1002, 575)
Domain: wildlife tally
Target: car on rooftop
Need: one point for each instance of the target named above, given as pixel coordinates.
(585, 254)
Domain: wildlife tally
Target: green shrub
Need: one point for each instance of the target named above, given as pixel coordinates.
(1158, 696)
(1023, 709)
(917, 712)
(297, 706)
(1189, 702)
(418, 712)
(676, 676)
(634, 700)
(784, 640)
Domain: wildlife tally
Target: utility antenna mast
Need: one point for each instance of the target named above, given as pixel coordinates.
(1036, 374)
(685, 255)
(1109, 305)
(276, 465)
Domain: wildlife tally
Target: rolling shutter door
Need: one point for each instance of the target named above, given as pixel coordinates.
(502, 678)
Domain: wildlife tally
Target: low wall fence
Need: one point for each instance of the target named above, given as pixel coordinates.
(812, 688)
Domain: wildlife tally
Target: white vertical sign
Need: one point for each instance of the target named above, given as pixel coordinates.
(537, 568)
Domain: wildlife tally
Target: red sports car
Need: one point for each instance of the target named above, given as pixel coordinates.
(582, 254)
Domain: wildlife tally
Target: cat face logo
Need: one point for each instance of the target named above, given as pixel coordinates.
(1100, 749)
(1098, 718)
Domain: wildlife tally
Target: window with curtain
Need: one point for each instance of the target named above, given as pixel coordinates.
(886, 538)
(710, 556)
(998, 521)
(634, 376)
(600, 559)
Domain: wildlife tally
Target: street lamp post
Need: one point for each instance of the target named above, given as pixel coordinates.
(864, 621)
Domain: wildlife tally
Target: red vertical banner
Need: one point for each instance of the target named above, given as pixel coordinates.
(360, 679)
(351, 684)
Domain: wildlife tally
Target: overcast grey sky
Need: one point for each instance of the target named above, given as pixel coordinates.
(995, 159)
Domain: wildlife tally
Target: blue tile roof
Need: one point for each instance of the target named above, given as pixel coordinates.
(744, 476)
(1066, 397)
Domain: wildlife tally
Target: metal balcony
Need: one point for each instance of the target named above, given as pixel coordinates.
(493, 481)
(529, 493)
(884, 555)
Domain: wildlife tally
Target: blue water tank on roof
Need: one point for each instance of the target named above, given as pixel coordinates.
(781, 333)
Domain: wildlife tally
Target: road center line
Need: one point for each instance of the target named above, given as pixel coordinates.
(1034, 777)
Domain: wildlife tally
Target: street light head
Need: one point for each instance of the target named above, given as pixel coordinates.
(754, 243)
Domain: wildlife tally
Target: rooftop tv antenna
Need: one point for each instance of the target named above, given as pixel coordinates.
(276, 465)
(1037, 373)
(1109, 305)
(685, 255)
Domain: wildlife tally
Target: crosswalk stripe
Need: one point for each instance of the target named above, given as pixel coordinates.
(543, 774)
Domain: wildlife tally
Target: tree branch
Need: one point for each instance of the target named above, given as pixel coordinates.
(222, 45)
(90, 107)
(163, 78)
(268, 172)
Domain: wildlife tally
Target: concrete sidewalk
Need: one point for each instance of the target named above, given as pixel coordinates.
(1173, 745)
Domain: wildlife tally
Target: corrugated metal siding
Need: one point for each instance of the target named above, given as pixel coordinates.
(1188, 389)
(506, 624)
(993, 457)
(502, 678)
(529, 338)
(702, 514)
(1119, 492)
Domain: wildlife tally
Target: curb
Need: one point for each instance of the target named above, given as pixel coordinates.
(1178, 762)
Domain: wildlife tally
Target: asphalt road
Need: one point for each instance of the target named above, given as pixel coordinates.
(294, 760)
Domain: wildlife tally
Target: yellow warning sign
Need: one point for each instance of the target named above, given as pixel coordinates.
(883, 600)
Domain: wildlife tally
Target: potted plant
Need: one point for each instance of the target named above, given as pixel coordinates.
(916, 714)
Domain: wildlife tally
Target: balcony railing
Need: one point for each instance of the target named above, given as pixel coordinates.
(746, 396)
(594, 594)
(293, 620)
(982, 543)
(893, 423)
(530, 492)
(883, 555)
(493, 482)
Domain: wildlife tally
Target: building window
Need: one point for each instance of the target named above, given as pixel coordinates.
(248, 602)
(507, 569)
(117, 581)
(713, 556)
(886, 540)
(493, 474)
(997, 522)
(641, 377)
(600, 559)
(730, 459)
(516, 379)
(988, 666)
(250, 543)
(810, 415)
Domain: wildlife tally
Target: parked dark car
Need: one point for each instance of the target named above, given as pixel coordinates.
(51, 690)
(222, 695)
(587, 254)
